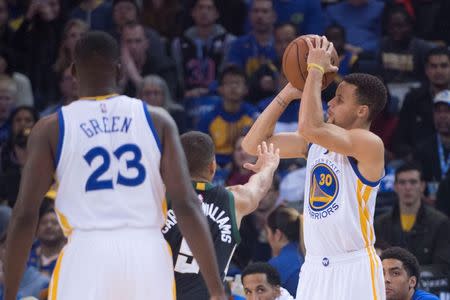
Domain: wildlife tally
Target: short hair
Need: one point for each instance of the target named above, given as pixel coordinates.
(409, 166)
(273, 277)
(437, 51)
(340, 28)
(408, 260)
(97, 45)
(370, 91)
(232, 69)
(115, 2)
(287, 220)
(402, 11)
(192, 3)
(8, 84)
(199, 150)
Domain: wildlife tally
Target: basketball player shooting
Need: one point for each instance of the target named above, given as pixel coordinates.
(345, 163)
(113, 157)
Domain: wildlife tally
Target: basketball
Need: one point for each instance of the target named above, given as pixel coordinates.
(295, 65)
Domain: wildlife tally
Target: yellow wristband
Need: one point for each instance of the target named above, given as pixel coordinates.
(316, 66)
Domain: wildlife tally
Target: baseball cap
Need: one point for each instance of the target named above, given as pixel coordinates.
(442, 97)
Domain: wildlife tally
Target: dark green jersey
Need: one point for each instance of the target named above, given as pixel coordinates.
(218, 206)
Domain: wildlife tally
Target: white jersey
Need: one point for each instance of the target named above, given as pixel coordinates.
(108, 166)
(339, 205)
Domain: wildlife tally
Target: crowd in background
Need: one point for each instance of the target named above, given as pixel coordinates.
(214, 66)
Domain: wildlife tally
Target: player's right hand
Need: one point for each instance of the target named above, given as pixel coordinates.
(320, 53)
(268, 157)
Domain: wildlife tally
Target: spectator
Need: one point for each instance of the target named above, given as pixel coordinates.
(416, 116)
(200, 51)
(256, 48)
(126, 11)
(36, 46)
(239, 174)
(306, 15)
(96, 13)
(162, 15)
(443, 196)
(262, 281)
(414, 225)
(68, 91)
(434, 151)
(231, 116)
(50, 241)
(362, 22)
(72, 32)
(401, 275)
(402, 54)
(24, 92)
(138, 60)
(283, 234)
(8, 99)
(284, 34)
(154, 91)
(32, 282)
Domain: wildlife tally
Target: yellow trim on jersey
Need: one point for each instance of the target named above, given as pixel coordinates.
(53, 291)
(364, 220)
(164, 208)
(99, 98)
(66, 227)
(174, 285)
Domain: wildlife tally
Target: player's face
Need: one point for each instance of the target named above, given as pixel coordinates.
(49, 230)
(343, 107)
(124, 12)
(437, 70)
(204, 13)
(22, 120)
(397, 281)
(283, 36)
(409, 187)
(256, 287)
(441, 117)
(262, 16)
(153, 94)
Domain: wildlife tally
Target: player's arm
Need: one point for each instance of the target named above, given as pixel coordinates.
(364, 146)
(35, 182)
(191, 221)
(291, 144)
(247, 196)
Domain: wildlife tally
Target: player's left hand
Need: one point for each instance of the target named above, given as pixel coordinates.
(268, 157)
(320, 53)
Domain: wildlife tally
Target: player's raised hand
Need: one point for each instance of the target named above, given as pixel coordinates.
(268, 157)
(289, 93)
(320, 53)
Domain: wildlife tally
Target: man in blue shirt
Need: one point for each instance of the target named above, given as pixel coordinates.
(401, 275)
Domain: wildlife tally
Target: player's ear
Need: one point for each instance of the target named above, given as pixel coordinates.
(212, 168)
(277, 291)
(412, 282)
(363, 111)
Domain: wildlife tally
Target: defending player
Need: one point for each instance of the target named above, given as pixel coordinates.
(113, 157)
(345, 163)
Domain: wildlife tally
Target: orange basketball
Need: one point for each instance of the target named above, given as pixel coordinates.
(295, 65)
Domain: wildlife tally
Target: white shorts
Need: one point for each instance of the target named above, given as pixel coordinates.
(352, 276)
(132, 264)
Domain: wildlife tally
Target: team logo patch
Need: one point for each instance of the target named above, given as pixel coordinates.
(324, 188)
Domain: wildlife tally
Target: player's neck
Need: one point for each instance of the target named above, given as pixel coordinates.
(411, 209)
(92, 91)
(200, 178)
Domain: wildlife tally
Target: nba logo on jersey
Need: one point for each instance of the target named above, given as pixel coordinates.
(103, 107)
(323, 191)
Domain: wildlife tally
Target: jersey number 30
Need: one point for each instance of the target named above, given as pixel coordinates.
(94, 183)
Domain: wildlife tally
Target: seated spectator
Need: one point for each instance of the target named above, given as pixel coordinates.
(72, 32)
(139, 61)
(284, 34)
(401, 275)
(239, 174)
(283, 234)
(154, 91)
(68, 91)
(96, 13)
(305, 15)
(200, 51)
(262, 281)
(231, 116)
(126, 11)
(413, 224)
(8, 98)
(361, 20)
(416, 115)
(50, 241)
(24, 91)
(256, 48)
(434, 151)
(32, 282)
(402, 54)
